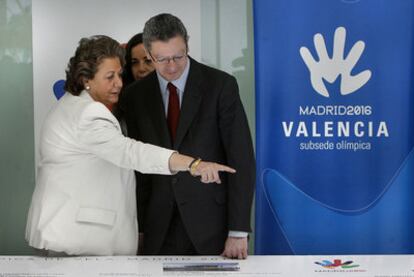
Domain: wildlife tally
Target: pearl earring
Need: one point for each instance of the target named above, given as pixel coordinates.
(87, 87)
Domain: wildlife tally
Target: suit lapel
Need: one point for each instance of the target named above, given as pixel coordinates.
(191, 102)
(155, 108)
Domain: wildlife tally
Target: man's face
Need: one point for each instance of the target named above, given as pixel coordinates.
(169, 58)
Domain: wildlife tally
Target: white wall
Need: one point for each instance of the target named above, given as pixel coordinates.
(58, 26)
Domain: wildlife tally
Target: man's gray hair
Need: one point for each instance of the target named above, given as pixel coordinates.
(163, 27)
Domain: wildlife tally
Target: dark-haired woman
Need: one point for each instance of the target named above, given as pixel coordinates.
(137, 64)
(84, 202)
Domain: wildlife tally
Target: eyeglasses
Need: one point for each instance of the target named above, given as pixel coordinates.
(166, 60)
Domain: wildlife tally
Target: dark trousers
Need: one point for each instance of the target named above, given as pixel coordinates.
(177, 241)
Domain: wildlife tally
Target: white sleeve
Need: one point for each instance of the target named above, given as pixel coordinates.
(238, 234)
(99, 134)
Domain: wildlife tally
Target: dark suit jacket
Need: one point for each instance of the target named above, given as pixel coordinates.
(212, 126)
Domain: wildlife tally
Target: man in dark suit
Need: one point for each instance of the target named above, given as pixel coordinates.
(195, 109)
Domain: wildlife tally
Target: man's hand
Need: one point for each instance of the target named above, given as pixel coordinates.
(235, 248)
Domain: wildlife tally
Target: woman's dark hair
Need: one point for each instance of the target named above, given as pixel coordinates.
(88, 56)
(128, 77)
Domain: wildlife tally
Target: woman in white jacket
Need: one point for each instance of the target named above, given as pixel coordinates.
(84, 200)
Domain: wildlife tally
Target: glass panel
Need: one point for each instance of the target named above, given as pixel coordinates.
(17, 173)
(227, 44)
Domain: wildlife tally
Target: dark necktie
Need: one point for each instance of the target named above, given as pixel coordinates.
(173, 110)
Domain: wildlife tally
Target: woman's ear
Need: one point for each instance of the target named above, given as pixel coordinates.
(86, 84)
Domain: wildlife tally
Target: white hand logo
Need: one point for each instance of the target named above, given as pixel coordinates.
(329, 69)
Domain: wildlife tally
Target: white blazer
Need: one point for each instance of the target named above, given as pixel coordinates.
(84, 201)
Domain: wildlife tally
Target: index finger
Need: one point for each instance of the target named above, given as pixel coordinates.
(226, 168)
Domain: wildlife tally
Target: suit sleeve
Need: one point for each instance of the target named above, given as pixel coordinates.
(99, 134)
(143, 181)
(235, 134)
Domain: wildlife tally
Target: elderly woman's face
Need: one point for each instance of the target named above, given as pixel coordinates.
(107, 83)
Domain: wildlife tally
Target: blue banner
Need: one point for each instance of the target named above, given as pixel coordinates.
(335, 131)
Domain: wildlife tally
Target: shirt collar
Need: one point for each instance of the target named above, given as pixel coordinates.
(85, 94)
